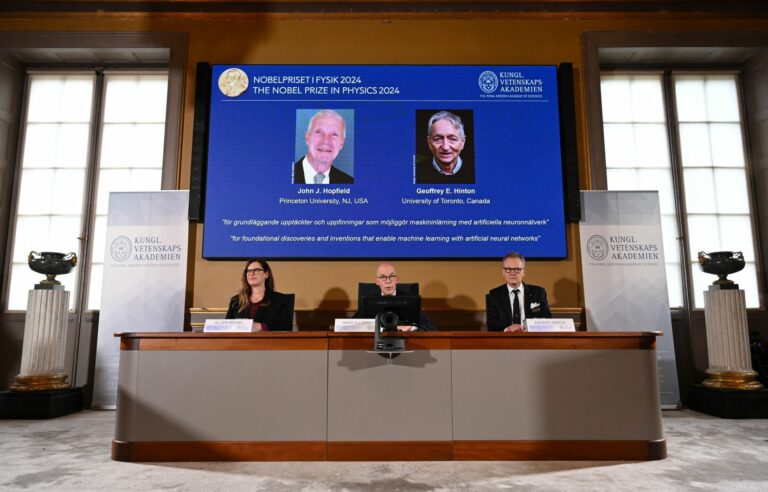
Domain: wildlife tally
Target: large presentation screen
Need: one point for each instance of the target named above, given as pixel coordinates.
(383, 162)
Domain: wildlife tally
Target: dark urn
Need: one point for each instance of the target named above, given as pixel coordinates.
(51, 264)
(721, 263)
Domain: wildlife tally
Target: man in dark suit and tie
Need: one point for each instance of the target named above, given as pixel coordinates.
(325, 138)
(508, 306)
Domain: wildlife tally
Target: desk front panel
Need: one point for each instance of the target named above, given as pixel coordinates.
(407, 398)
(234, 395)
(555, 395)
(470, 396)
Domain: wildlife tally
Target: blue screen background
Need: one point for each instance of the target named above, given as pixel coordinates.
(254, 139)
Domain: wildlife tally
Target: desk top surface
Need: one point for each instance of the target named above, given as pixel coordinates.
(452, 340)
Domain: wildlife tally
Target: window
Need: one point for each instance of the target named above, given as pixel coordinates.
(700, 164)
(65, 122)
(131, 158)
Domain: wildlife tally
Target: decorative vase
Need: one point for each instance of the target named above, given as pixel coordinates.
(51, 264)
(721, 263)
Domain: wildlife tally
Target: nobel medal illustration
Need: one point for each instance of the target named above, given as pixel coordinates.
(233, 82)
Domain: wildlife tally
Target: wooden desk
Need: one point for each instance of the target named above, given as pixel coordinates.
(322, 396)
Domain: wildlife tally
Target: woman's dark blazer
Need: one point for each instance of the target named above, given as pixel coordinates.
(276, 311)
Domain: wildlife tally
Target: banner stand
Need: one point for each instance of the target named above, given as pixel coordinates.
(145, 271)
(625, 280)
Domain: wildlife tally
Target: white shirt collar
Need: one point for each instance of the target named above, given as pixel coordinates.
(455, 169)
(511, 289)
(309, 173)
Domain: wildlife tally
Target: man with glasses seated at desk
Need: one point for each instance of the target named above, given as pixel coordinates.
(508, 305)
(386, 280)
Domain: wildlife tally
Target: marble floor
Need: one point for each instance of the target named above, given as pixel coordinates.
(73, 453)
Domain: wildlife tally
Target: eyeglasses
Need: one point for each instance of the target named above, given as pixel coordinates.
(387, 278)
(253, 271)
(511, 270)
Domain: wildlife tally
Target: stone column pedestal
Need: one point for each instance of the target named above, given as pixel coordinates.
(730, 363)
(44, 348)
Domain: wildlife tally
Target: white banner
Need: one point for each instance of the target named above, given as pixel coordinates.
(144, 283)
(625, 279)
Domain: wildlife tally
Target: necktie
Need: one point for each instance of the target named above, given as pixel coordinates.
(515, 308)
(319, 178)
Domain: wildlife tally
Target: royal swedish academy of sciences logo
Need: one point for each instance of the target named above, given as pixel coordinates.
(597, 247)
(120, 249)
(488, 82)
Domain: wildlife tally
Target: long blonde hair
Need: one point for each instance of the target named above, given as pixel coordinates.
(244, 296)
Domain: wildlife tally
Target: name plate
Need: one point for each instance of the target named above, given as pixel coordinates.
(549, 324)
(228, 325)
(347, 324)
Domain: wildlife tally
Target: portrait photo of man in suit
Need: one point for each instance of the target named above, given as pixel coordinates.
(447, 157)
(325, 138)
(509, 305)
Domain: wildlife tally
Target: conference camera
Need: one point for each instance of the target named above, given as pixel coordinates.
(388, 322)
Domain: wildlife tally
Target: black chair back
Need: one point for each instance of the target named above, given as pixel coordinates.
(487, 309)
(291, 302)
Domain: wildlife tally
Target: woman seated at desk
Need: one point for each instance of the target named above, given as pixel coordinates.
(258, 300)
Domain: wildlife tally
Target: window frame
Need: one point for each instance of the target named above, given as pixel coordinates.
(673, 163)
(88, 209)
(667, 73)
(749, 172)
(99, 128)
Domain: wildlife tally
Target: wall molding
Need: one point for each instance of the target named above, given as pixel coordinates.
(386, 6)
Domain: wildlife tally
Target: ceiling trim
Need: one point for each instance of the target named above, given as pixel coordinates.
(382, 6)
